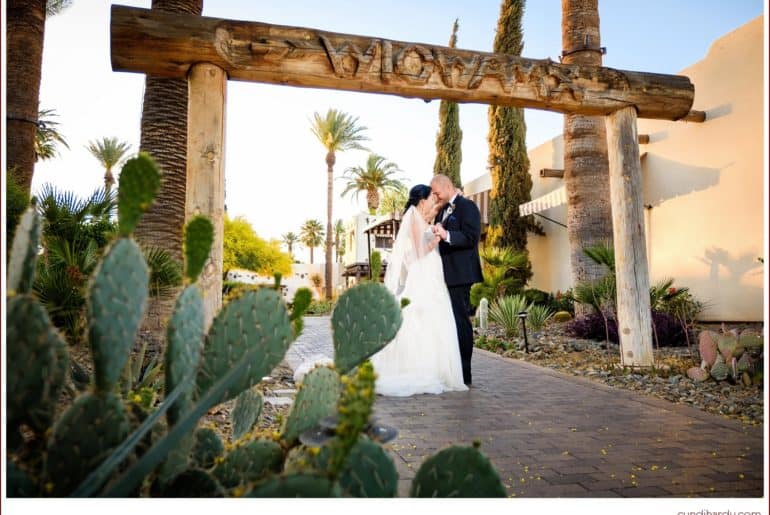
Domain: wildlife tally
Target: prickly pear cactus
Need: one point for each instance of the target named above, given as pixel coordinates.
(40, 364)
(139, 183)
(184, 347)
(82, 438)
(368, 471)
(707, 345)
(256, 320)
(296, 485)
(18, 482)
(745, 363)
(198, 237)
(301, 459)
(116, 303)
(720, 370)
(457, 472)
(365, 319)
(190, 483)
(727, 345)
(248, 406)
(316, 398)
(208, 447)
(751, 340)
(302, 299)
(248, 463)
(24, 251)
(697, 374)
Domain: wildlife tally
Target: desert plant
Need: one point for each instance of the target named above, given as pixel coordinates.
(537, 316)
(505, 312)
(375, 262)
(502, 267)
(733, 355)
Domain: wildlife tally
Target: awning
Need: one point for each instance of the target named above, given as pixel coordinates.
(555, 198)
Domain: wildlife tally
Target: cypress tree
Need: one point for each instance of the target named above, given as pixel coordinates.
(449, 153)
(508, 160)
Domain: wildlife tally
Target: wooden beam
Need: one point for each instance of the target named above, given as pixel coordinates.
(206, 170)
(644, 139)
(167, 44)
(633, 281)
(552, 172)
(694, 116)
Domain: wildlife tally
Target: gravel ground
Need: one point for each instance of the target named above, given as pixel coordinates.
(555, 349)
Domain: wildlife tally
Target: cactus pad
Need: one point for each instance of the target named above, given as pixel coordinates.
(83, 437)
(248, 406)
(18, 482)
(707, 345)
(208, 446)
(255, 321)
(316, 398)
(198, 237)
(457, 472)
(40, 364)
(751, 340)
(249, 463)
(296, 485)
(301, 459)
(727, 345)
(190, 483)
(23, 256)
(183, 351)
(720, 370)
(365, 319)
(368, 471)
(745, 364)
(118, 295)
(138, 184)
(697, 374)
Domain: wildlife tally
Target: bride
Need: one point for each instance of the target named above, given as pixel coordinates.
(424, 357)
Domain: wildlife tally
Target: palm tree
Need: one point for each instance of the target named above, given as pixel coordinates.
(110, 152)
(376, 177)
(337, 132)
(393, 201)
(311, 235)
(164, 137)
(25, 33)
(339, 240)
(290, 239)
(586, 169)
(47, 136)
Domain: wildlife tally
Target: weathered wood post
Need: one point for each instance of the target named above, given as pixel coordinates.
(633, 280)
(206, 170)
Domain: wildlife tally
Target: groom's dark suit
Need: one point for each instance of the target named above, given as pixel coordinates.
(462, 268)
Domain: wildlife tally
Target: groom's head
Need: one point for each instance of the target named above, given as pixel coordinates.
(443, 188)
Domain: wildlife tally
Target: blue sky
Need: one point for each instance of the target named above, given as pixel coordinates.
(275, 169)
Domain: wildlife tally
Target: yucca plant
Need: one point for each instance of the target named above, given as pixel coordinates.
(505, 311)
(538, 315)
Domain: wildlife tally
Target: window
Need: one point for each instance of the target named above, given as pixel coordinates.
(383, 242)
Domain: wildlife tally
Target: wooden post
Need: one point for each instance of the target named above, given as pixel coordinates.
(633, 281)
(206, 170)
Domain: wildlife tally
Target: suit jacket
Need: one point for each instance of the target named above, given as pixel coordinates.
(460, 257)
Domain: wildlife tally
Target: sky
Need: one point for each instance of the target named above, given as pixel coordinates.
(274, 166)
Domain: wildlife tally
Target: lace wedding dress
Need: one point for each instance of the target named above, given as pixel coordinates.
(424, 357)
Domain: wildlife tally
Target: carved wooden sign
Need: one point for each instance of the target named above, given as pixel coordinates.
(166, 44)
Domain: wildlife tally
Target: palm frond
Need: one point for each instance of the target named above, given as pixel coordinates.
(165, 271)
(601, 254)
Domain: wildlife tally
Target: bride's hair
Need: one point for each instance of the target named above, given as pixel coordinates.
(416, 194)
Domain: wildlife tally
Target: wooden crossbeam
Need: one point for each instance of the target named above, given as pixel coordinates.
(168, 44)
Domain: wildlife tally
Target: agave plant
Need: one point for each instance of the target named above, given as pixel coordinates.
(505, 312)
(538, 315)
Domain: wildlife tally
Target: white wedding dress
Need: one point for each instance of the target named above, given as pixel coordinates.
(424, 357)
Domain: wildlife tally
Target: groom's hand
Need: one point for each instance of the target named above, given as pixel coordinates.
(439, 231)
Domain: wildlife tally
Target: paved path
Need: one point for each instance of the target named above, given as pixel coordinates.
(554, 435)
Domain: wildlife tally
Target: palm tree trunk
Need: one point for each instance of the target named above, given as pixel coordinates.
(311, 255)
(586, 169)
(25, 34)
(109, 180)
(330, 160)
(164, 136)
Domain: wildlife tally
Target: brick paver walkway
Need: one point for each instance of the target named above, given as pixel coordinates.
(554, 435)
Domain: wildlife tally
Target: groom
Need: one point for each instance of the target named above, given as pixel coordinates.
(458, 224)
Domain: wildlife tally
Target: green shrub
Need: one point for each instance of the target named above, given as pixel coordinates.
(16, 202)
(320, 307)
(537, 316)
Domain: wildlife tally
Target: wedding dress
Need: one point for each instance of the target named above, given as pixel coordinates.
(424, 357)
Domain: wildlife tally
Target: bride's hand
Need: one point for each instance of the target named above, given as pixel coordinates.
(433, 243)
